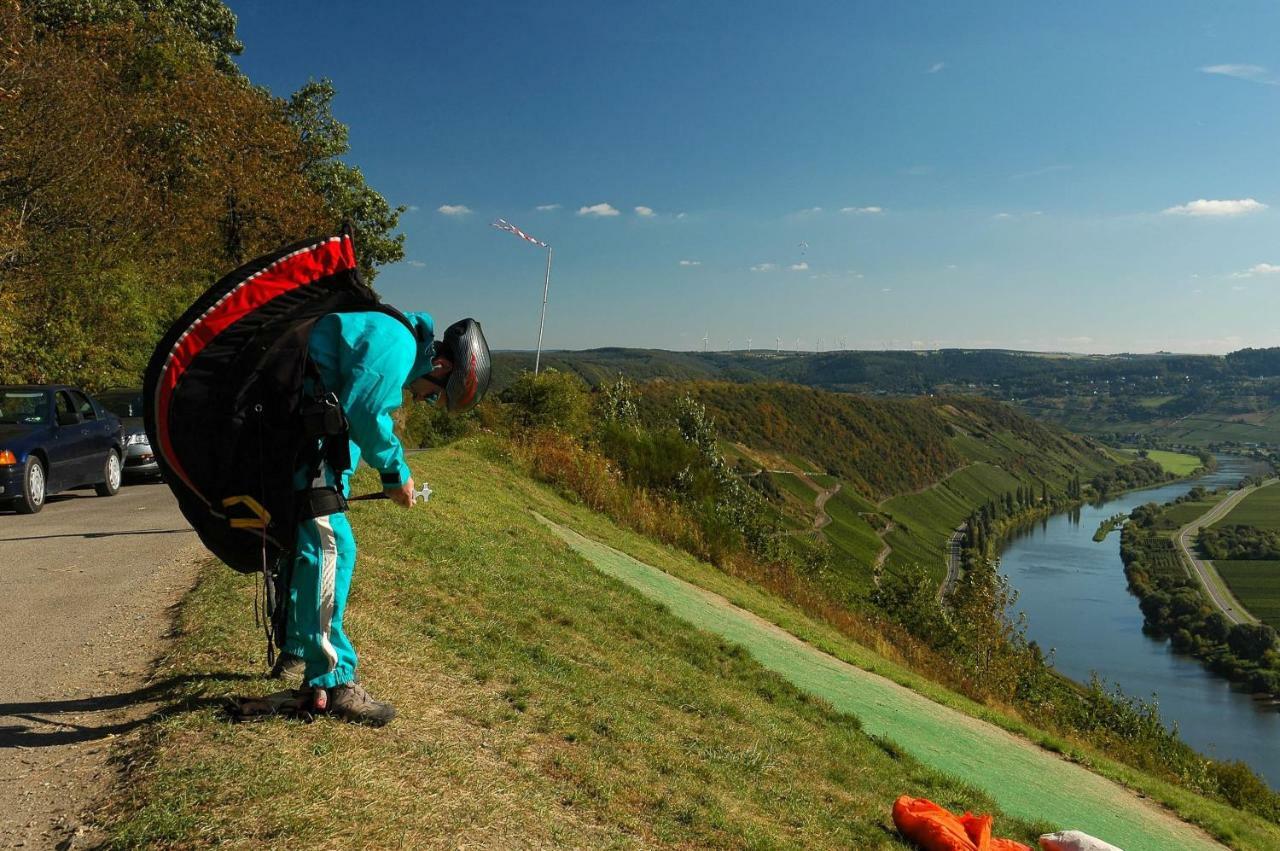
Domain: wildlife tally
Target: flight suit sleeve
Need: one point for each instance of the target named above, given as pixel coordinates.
(375, 368)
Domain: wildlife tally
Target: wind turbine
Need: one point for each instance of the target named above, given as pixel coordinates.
(748, 344)
(779, 339)
(818, 347)
(705, 339)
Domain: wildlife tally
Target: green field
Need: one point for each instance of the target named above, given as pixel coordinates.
(1177, 463)
(1256, 584)
(1177, 516)
(1260, 509)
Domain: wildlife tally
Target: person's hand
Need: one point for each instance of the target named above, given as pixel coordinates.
(401, 494)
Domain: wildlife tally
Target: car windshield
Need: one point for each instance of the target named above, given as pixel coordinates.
(122, 403)
(22, 407)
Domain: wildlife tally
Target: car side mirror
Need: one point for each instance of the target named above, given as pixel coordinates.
(68, 418)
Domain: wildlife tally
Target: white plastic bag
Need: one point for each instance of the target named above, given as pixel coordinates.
(1073, 840)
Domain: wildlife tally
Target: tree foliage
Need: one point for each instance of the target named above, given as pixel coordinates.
(342, 186)
(134, 171)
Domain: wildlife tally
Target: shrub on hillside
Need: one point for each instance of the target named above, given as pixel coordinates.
(550, 399)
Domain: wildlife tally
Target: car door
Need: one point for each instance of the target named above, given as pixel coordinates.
(67, 450)
(95, 435)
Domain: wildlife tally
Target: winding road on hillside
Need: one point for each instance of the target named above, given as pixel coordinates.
(1202, 570)
(1025, 779)
(954, 545)
(88, 586)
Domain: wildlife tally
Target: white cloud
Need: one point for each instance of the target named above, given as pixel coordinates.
(682, 215)
(886, 289)
(802, 266)
(547, 208)
(453, 209)
(417, 264)
(808, 211)
(936, 67)
(690, 262)
(1259, 269)
(644, 212)
(602, 210)
(764, 267)
(865, 210)
(1252, 73)
(952, 266)
(412, 208)
(1203, 207)
(1003, 216)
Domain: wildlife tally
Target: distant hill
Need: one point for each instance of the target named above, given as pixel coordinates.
(1124, 396)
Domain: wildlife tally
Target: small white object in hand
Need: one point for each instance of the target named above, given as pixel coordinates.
(423, 493)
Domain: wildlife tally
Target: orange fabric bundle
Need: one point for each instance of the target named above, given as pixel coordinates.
(936, 829)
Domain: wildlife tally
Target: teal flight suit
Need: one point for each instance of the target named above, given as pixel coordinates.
(367, 359)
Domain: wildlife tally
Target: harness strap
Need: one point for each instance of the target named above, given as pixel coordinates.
(319, 501)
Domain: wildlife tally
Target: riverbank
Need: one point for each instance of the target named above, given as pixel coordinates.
(1180, 602)
(1064, 579)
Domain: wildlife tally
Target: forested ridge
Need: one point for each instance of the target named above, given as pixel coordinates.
(138, 165)
(882, 447)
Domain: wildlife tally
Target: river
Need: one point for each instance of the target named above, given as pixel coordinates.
(1077, 602)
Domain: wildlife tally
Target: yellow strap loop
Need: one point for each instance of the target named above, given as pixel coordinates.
(260, 521)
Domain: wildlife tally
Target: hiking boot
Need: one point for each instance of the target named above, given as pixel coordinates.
(287, 665)
(352, 703)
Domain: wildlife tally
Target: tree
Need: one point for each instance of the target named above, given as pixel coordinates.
(121, 145)
(210, 23)
(1251, 640)
(342, 186)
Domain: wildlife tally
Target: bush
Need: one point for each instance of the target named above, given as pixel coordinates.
(551, 399)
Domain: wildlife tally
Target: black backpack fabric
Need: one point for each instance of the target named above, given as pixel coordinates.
(224, 391)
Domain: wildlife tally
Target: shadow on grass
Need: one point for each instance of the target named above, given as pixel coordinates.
(59, 722)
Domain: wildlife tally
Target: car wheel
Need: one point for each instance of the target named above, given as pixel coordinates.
(33, 487)
(110, 476)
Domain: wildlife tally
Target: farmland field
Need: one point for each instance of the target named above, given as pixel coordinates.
(1177, 516)
(1256, 584)
(1260, 508)
(1177, 463)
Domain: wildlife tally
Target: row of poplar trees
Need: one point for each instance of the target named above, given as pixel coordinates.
(138, 165)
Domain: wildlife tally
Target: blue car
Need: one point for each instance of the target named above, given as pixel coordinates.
(55, 438)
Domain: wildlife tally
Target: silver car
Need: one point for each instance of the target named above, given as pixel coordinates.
(126, 404)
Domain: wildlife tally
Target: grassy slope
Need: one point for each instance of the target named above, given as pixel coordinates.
(925, 521)
(931, 461)
(540, 703)
(1025, 780)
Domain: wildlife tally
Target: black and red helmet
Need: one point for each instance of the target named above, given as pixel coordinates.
(464, 346)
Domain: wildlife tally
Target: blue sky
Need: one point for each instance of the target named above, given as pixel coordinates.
(1094, 177)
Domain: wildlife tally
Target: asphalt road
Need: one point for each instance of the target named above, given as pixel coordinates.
(1203, 571)
(86, 592)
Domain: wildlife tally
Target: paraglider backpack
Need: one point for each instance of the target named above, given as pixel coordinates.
(234, 409)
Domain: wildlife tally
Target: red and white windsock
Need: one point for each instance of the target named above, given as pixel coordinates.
(503, 224)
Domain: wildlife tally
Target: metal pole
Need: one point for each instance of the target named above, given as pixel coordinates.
(537, 361)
